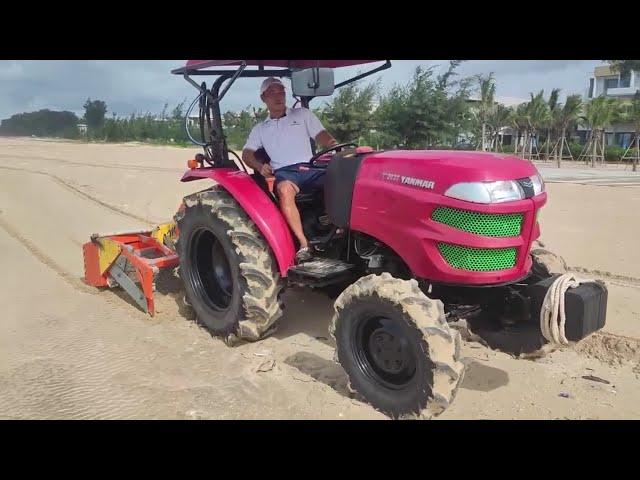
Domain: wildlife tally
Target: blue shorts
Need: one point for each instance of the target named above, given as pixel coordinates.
(305, 178)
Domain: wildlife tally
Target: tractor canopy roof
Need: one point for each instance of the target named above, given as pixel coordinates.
(269, 68)
(193, 66)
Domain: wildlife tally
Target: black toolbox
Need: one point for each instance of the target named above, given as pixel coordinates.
(585, 307)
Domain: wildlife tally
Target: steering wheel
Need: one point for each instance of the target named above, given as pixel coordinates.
(335, 148)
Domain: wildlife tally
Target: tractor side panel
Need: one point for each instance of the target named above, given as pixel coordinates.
(259, 207)
(399, 213)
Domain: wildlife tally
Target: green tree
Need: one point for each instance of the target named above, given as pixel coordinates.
(630, 112)
(259, 114)
(425, 112)
(536, 116)
(625, 66)
(43, 123)
(566, 117)
(94, 113)
(178, 111)
(238, 125)
(598, 114)
(498, 118)
(486, 105)
(550, 122)
(519, 123)
(349, 114)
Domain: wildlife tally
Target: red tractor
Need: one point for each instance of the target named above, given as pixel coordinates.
(408, 241)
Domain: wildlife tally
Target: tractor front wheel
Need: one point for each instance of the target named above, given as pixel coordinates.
(396, 347)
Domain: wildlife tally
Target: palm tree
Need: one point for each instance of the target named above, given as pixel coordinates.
(537, 114)
(591, 117)
(610, 114)
(499, 118)
(565, 118)
(599, 113)
(519, 123)
(487, 103)
(630, 112)
(550, 123)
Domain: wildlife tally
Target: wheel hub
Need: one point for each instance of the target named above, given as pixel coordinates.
(385, 353)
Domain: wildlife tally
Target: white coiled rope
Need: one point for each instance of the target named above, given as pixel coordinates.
(552, 314)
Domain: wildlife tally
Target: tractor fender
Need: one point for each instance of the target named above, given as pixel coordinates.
(258, 206)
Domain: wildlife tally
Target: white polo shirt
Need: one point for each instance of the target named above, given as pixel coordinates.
(286, 139)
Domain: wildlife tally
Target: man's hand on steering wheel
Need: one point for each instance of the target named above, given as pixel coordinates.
(337, 148)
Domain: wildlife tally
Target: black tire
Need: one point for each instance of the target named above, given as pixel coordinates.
(380, 313)
(547, 263)
(230, 276)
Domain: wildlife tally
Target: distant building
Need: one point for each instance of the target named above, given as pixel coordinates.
(194, 121)
(607, 82)
(506, 101)
(82, 128)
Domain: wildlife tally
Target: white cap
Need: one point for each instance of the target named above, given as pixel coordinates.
(268, 82)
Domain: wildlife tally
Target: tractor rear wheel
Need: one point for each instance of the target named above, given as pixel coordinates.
(396, 347)
(230, 276)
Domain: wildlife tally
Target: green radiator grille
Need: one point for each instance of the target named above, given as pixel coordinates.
(488, 224)
(478, 259)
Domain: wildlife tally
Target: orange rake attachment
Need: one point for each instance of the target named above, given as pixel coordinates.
(129, 260)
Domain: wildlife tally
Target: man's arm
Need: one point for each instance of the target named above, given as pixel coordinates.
(317, 131)
(325, 139)
(249, 158)
(254, 143)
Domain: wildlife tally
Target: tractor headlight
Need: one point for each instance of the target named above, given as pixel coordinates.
(494, 192)
(487, 192)
(538, 184)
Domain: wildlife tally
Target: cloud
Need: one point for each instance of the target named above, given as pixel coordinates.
(11, 71)
(145, 86)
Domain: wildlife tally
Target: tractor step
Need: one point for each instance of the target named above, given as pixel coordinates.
(321, 268)
(320, 272)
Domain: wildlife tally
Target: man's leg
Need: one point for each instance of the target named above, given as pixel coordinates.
(287, 192)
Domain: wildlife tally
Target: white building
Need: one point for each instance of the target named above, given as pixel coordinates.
(506, 101)
(605, 81)
(194, 120)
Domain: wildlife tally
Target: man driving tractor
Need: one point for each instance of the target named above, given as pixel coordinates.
(285, 137)
(432, 237)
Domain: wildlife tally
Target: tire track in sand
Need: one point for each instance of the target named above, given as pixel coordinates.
(44, 258)
(623, 280)
(113, 166)
(82, 194)
(164, 301)
(71, 279)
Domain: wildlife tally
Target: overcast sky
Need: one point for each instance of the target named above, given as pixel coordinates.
(145, 86)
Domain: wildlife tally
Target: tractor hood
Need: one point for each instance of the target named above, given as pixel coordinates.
(440, 169)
